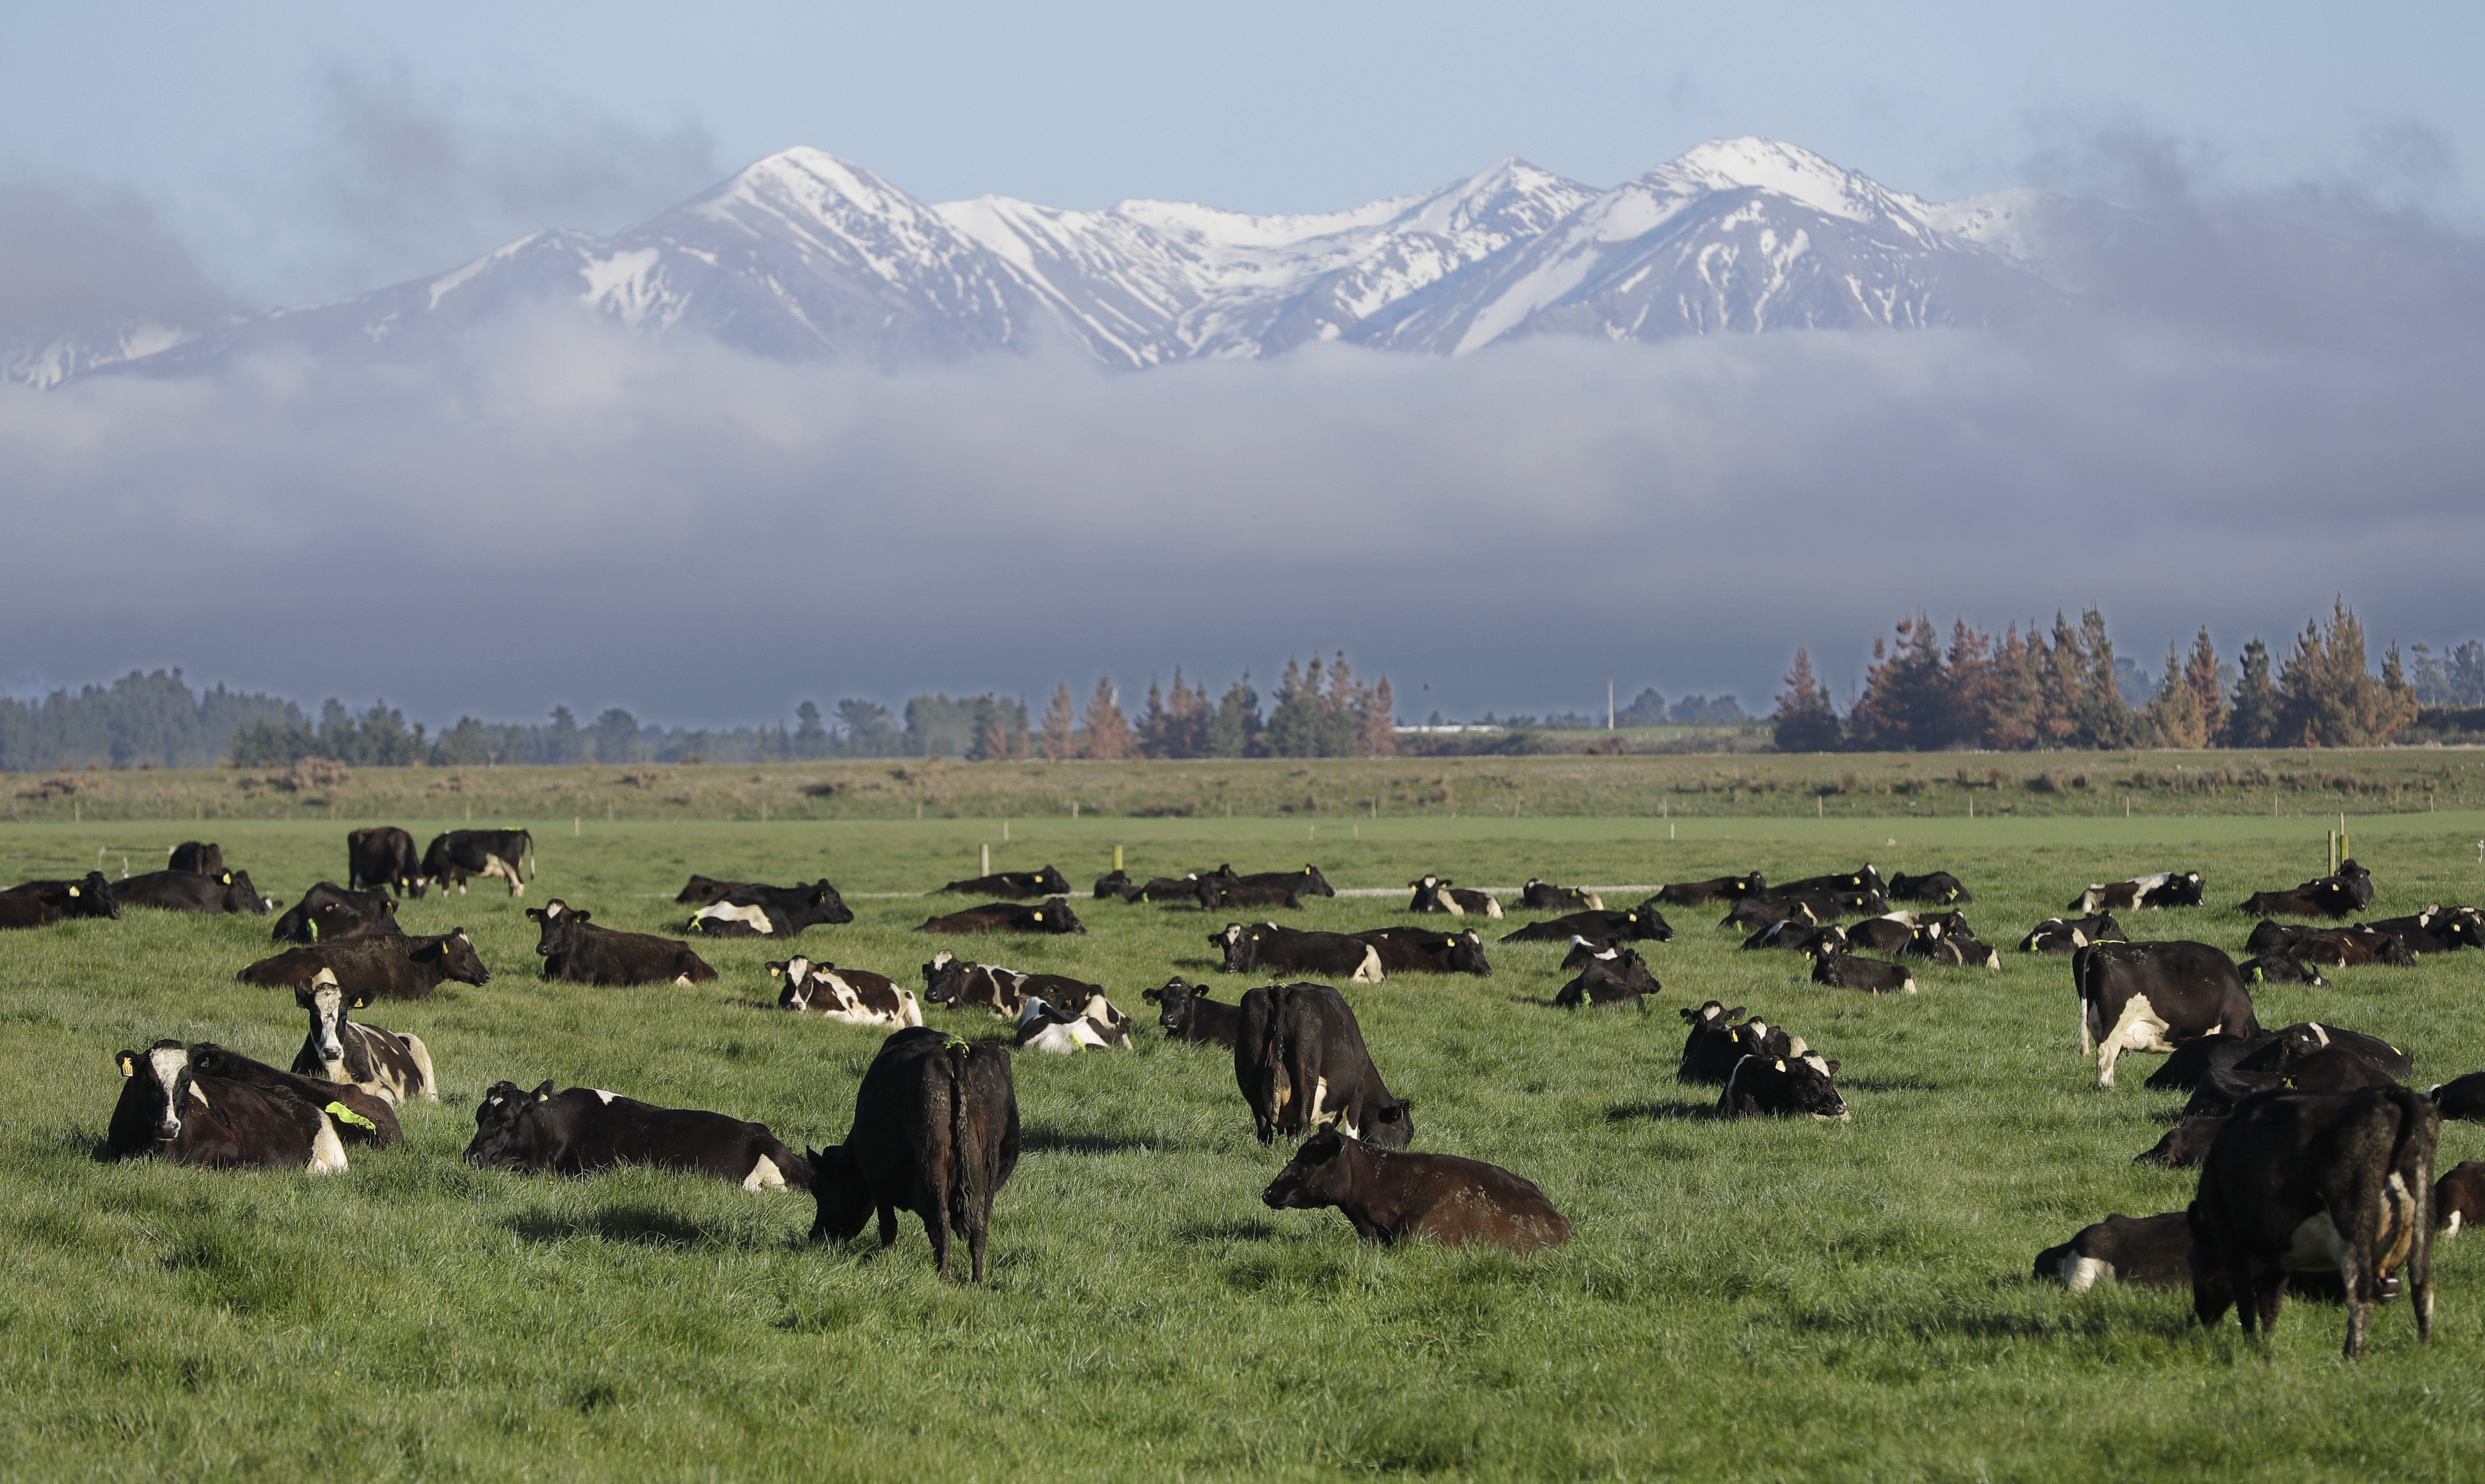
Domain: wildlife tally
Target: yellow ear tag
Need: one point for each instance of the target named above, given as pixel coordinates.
(1039, 917)
(129, 1067)
(1781, 1065)
(73, 890)
(228, 878)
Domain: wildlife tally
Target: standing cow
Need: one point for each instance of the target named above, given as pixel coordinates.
(383, 856)
(457, 856)
(1299, 1060)
(935, 1132)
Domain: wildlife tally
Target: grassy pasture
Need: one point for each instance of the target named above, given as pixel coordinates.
(1741, 1300)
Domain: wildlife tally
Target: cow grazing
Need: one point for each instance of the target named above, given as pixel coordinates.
(1782, 1087)
(1436, 893)
(1041, 1027)
(39, 903)
(951, 981)
(1012, 886)
(1610, 976)
(1539, 895)
(2151, 996)
(2151, 1249)
(1716, 888)
(2459, 1197)
(1416, 950)
(1188, 1014)
(1932, 887)
(1053, 916)
(384, 856)
(458, 856)
(383, 1063)
(1604, 928)
(2277, 966)
(2462, 1098)
(2317, 1182)
(2344, 893)
(935, 1132)
(1300, 1061)
(753, 911)
(2437, 929)
(858, 997)
(575, 949)
(1264, 946)
(359, 1115)
(376, 968)
(1848, 971)
(196, 858)
(581, 1130)
(1797, 936)
(226, 892)
(2185, 1144)
(169, 1110)
(1392, 1196)
(2166, 888)
(328, 912)
(2066, 935)
(1721, 1038)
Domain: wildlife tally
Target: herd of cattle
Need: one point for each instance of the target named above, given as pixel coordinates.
(2316, 1163)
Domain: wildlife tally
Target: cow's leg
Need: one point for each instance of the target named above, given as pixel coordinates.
(2088, 1030)
(2269, 1294)
(888, 1226)
(936, 1225)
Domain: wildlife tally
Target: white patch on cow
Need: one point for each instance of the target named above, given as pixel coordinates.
(606, 1096)
(2453, 1229)
(167, 1063)
(753, 914)
(943, 958)
(327, 1150)
(494, 865)
(2081, 1273)
(681, 982)
(2139, 1028)
(552, 909)
(764, 1176)
(910, 1010)
(429, 1085)
(1319, 1095)
(1369, 971)
(2321, 1035)
(1908, 985)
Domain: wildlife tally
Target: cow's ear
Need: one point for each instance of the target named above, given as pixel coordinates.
(581, 916)
(544, 1092)
(129, 1060)
(360, 1001)
(1833, 1068)
(535, 913)
(228, 878)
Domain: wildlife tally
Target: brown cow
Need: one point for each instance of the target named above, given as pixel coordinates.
(1390, 1196)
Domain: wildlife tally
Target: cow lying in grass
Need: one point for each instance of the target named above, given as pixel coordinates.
(1393, 1196)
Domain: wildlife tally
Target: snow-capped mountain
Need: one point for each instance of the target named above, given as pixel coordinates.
(806, 256)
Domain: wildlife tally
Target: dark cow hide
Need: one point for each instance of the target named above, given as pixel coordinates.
(936, 1132)
(1393, 1196)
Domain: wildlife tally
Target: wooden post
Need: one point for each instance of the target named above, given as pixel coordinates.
(987, 862)
(1117, 858)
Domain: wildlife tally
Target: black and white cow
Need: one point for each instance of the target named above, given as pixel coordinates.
(383, 856)
(1438, 893)
(2437, 929)
(1799, 937)
(1539, 895)
(2461, 1099)
(226, 892)
(2151, 1250)
(855, 997)
(2277, 967)
(378, 968)
(1932, 887)
(935, 1132)
(705, 888)
(1416, 951)
(1615, 975)
(953, 981)
(328, 912)
(1188, 1014)
(1300, 1061)
(39, 904)
(1043, 1028)
(198, 857)
(2068, 935)
(1053, 916)
(2165, 889)
(1604, 928)
(169, 1110)
(2459, 1197)
(1266, 945)
(1865, 882)
(1216, 893)
(1892, 931)
(1012, 886)
(753, 911)
(2337, 1182)
(456, 857)
(575, 949)
(1757, 911)
(2152, 995)
(2343, 895)
(1721, 1038)
(581, 1130)
(383, 1063)
(2288, 1046)
(359, 1115)
(1782, 1087)
(1848, 971)
(1936, 942)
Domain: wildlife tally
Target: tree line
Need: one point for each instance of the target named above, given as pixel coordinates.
(2061, 688)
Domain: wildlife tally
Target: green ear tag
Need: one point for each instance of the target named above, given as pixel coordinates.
(343, 1114)
(952, 1041)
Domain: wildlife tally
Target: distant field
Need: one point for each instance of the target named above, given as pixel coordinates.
(1770, 785)
(1742, 1301)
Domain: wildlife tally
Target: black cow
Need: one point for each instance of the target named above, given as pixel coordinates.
(328, 912)
(359, 1115)
(1299, 1060)
(1721, 1038)
(384, 856)
(582, 1130)
(2196, 1057)
(226, 892)
(951, 981)
(1932, 887)
(2289, 1045)
(753, 911)
(2166, 888)
(1782, 1087)
(1816, 906)
(1438, 893)
(1798, 937)
(2185, 1144)
(2066, 935)
(1544, 896)
(1053, 916)
(1604, 929)
(37, 903)
(1865, 882)
(1269, 946)
(857, 996)
(2340, 948)
(1612, 976)
(1716, 888)
(1216, 893)
(1192, 888)
(1390, 1197)
(2150, 996)
(2317, 1181)
(1116, 884)
(1013, 886)
(1307, 882)
(461, 855)
(1848, 971)
(575, 949)
(384, 1063)
(935, 1132)
(169, 1110)
(2343, 895)
(398, 967)
(1188, 1014)
(2277, 967)
(199, 860)
(1416, 950)
(2435, 929)
(705, 888)
(2462, 1098)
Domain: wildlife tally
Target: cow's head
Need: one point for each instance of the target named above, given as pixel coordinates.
(564, 928)
(501, 1134)
(1466, 955)
(1055, 916)
(1321, 1173)
(1049, 881)
(457, 958)
(1808, 1089)
(1104, 1012)
(164, 1079)
(91, 898)
(1388, 1123)
(797, 974)
(1314, 884)
(832, 908)
(329, 1007)
(243, 897)
(943, 977)
(2466, 930)
(1240, 945)
(1174, 1002)
(845, 1200)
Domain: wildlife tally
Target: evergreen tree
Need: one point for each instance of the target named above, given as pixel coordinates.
(1235, 729)
(1061, 727)
(2253, 719)
(2328, 697)
(1103, 733)
(2174, 717)
(1806, 722)
(810, 737)
(2200, 676)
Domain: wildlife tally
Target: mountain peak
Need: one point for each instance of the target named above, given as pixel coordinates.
(1789, 170)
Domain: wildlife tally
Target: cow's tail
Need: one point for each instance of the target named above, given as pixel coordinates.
(527, 857)
(966, 1175)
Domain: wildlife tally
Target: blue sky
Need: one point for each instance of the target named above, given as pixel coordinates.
(264, 131)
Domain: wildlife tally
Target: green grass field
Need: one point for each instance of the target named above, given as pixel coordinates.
(1741, 1300)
